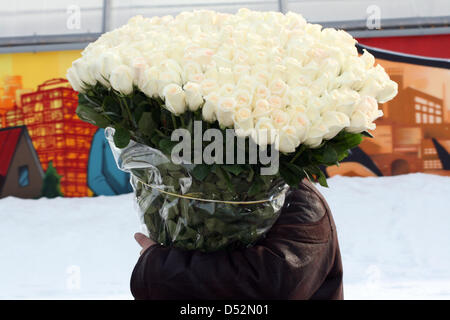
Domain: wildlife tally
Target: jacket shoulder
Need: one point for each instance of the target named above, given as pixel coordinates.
(304, 204)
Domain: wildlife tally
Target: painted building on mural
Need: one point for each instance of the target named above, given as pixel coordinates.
(78, 150)
(57, 133)
(414, 127)
(21, 174)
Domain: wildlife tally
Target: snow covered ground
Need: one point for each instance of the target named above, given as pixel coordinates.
(393, 231)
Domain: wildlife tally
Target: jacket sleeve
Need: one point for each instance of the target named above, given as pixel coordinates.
(291, 262)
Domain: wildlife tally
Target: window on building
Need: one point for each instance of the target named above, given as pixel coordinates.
(418, 118)
(424, 109)
(424, 118)
(417, 107)
(420, 100)
(431, 118)
(24, 179)
(438, 120)
(438, 106)
(432, 164)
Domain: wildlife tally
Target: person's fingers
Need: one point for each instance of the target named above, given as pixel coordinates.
(144, 241)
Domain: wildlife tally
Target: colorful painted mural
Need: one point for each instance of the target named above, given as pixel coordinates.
(76, 149)
(37, 119)
(414, 133)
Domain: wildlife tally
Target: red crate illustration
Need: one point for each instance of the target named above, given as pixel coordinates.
(57, 133)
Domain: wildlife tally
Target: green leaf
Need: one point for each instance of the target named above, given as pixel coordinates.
(89, 115)
(235, 169)
(166, 145)
(291, 174)
(329, 155)
(146, 124)
(322, 179)
(201, 171)
(256, 187)
(121, 137)
(111, 106)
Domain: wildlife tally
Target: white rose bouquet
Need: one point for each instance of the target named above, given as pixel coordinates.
(241, 87)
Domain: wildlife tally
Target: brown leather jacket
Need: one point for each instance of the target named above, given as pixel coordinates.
(298, 259)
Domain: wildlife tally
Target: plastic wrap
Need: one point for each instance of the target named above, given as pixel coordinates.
(176, 209)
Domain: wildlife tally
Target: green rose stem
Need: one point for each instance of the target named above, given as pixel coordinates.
(126, 108)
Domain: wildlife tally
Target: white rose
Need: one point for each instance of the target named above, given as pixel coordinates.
(331, 67)
(243, 122)
(155, 58)
(190, 69)
(335, 121)
(240, 58)
(203, 56)
(388, 92)
(243, 98)
(301, 124)
(315, 134)
(82, 69)
(174, 98)
(171, 65)
(280, 118)
(344, 100)
(368, 59)
(193, 92)
(276, 102)
(138, 66)
(74, 80)
(259, 57)
(148, 82)
(349, 79)
(261, 92)
(104, 65)
(240, 70)
(226, 75)
(226, 90)
(209, 108)
(121, 79)
(222, 61)
(378, 85)
(298, 96)
(278, 87)
(247, 83)
(197, 78)
(265, 132)
(165, 78)
(310, 71)
(297, 80)
(287, 139)
(262, 77)
(212, 73)
(262, 108)
(208, 86)
(225, 111)
(364, 114)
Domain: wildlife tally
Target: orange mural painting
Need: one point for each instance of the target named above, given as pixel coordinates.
(414, 133)
(55, 130)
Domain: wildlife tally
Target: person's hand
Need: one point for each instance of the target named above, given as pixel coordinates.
(144, 241)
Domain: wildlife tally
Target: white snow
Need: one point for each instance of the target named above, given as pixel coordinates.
(393, 231)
